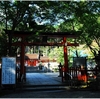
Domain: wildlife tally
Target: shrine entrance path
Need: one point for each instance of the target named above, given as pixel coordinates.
(43, 79)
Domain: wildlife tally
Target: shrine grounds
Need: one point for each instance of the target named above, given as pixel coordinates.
(51, 94)
(55, 92)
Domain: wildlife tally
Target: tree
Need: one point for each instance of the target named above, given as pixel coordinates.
(85, 19)
(3, 45)
(58, 54)
(42, 16)
(91, 27)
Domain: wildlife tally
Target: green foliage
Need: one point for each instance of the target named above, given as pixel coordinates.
(58, 54)
(86, 19)
(42, 16)
(3, 45)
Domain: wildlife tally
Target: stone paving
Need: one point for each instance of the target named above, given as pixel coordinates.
(43, 78)
(48, 78)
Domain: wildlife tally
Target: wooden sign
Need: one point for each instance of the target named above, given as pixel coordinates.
(79, 61)
(8, 70)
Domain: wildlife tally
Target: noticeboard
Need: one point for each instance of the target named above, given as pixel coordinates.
(79, 61)
(8, 70)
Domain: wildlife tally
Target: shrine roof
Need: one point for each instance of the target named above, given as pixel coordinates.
(31, 56)
(50, 34)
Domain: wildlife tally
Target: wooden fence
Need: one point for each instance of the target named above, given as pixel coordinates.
(76, 75)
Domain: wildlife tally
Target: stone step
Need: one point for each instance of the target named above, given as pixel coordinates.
(44, 87)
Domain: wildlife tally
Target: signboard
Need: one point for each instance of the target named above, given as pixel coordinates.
(8, 70)
(79, 61)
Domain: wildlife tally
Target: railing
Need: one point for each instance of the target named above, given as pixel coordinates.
(76, 74)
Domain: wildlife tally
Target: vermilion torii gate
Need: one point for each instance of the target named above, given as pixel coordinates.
(23, 35)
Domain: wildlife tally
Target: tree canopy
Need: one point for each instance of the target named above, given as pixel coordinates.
(43, 16)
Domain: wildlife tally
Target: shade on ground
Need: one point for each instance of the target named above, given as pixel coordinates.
(43, 78)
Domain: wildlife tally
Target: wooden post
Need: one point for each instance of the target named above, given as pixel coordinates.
(65, 58)
(22, 56)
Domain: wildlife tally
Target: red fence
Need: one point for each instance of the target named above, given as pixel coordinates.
(79, 74)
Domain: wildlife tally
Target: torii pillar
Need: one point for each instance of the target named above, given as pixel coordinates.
(22, 56)
(65, 58)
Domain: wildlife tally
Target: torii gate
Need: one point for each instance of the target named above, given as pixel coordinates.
(23, 43)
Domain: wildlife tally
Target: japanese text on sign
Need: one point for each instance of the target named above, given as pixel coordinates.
(8, 70)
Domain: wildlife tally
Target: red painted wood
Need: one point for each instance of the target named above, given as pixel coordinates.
(22, 70)
(49, 34)
(65, 55)
(44, 44)
(65, 58)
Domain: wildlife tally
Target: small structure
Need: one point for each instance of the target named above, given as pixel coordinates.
(31, 59)
(44, 59)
